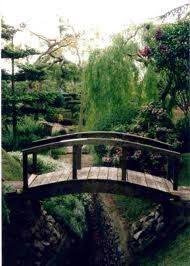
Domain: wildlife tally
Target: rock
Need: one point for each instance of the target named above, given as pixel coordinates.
(45, 243)
(56, 233)
(38, 254)
(147, 226)
(44, 212)
(160, 219)
(37, 235)
(157, 214)
(38, 245)
(159, 227)
(53, 240)
(138, 235)
(50, 219)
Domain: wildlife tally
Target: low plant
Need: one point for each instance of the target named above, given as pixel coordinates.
(56, 153)
(28, 130)
(68, 210)
(44, 163)
(133, 208)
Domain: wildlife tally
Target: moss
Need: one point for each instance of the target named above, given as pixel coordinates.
(11, 168)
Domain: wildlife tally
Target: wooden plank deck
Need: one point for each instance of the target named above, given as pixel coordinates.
(104, 173)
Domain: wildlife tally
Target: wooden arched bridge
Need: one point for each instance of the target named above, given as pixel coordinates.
(100, 179)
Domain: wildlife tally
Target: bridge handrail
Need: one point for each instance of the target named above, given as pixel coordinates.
(96, 141)
(103, 134)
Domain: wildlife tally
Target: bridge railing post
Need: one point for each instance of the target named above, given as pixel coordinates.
(79, 155)
(173, 171)
(25, 171)
(124, 164)
(75, 161)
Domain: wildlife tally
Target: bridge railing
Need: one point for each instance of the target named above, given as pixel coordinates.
(104, 134)
(77, 140)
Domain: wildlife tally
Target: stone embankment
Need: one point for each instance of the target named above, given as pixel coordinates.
(160, 224)
(33, 237)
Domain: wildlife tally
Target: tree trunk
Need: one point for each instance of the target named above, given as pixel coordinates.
(14, 114)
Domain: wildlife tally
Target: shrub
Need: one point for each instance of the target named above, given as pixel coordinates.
(45, 163)
(11, 168)
(68, 210)
(133, 208)
(55, 115)
(56, 153)
(183, 134)
(28, 130)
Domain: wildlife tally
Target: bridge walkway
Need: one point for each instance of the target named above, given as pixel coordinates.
(102, 173)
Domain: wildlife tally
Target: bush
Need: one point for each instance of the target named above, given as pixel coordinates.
(45, 163)
(56, 153)
(133, 208)
(11, 168)
(28, 130)
(154, 122)
(55, 115)
(68, 210)
(183, 134)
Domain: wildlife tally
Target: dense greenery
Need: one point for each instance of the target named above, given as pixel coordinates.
(184, 179)
(68, 210)
(112, 86)
(133, 208)
(36, 88)
(11, 168)
(168, 49)
(138, 84)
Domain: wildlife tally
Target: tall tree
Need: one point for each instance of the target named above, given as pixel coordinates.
(13, 53)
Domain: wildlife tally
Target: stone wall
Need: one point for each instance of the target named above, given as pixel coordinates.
(32, 238)
(160, 224)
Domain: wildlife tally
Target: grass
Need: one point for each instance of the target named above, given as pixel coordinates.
(184, 176)
(11, 168)
(175, 253)
(133, 208)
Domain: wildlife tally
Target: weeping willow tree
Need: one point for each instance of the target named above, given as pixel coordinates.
(115, 89)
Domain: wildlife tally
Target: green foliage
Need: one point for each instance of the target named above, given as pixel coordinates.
(154, 121)
(184, 179)
(68, 210)
(11, 168)
(16, 53)
(45, 163)
(133, 208)
(56, 153)
(55, 115)
(150, 85)
(28, 130)
(183, 133)
(111, 81)
(168, 47)
(31, 72)
(176, 252)
(7, 31)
